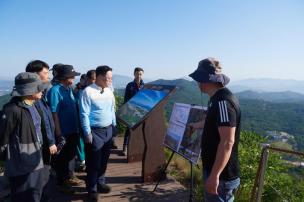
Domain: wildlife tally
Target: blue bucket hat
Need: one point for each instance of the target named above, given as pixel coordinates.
(209, 70)
(27, 83)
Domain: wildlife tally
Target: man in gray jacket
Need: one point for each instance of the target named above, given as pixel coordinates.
(21, 139)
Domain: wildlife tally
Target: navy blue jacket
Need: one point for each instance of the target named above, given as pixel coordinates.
(49, 127)
(132, 89)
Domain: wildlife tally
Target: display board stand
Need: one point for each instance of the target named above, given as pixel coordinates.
(191, 182)
(163, 173)
(146, 144)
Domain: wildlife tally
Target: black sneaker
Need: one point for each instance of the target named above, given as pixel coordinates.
(124, 151)
(66, 188)
(103, 188)
(93, 197)
(80, 166)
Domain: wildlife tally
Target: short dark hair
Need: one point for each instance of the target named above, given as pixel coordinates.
(90, 73)
(138, 69)
(36, 66)
(83, 76)
(102, 70)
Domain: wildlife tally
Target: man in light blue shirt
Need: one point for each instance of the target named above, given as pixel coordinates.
(97, 115)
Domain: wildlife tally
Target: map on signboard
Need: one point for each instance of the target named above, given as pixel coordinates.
(180, 137)
(176, 128)
(180, 113)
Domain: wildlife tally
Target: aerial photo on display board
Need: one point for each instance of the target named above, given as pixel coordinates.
(180, 137)
(139, 106)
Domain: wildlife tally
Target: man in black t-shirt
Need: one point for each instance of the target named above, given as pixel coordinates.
(221, 133)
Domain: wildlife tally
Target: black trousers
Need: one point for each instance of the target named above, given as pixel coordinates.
(97, 156)
(126, 138)
(61, 161)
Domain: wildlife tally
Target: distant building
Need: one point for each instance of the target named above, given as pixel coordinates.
(279, 136)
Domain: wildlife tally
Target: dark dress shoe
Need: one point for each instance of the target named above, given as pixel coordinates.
(93, 197)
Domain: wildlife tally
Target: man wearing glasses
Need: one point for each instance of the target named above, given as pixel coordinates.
(97, 117)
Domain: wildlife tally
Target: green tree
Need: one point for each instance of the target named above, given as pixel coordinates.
(281, 180)
(4, 99)
(119, 100)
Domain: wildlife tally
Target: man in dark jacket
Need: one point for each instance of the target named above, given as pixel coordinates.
(49, 147)
(131, 89)
(21, 139)
(49, 143)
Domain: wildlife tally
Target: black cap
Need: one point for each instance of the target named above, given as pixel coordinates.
(66, 71)
(209, 70)
(56, 66)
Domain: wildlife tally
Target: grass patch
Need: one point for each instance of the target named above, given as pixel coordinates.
(179, 168)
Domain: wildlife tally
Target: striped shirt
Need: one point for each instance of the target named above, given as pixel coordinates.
(223, 112)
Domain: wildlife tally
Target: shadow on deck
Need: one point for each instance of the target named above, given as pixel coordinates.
(126, 183)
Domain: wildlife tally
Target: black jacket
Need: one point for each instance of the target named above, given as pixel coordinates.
(18, 140)
(132, 89)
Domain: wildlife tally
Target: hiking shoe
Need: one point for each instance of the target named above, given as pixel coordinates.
(124, 152)
(93, 197)
(80, 166)
(103, 188)
(66, 188)
(121, 153)
(74, 181)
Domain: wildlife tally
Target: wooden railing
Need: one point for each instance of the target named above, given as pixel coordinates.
(257, 189)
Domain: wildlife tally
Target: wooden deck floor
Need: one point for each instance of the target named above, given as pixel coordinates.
(125, 181)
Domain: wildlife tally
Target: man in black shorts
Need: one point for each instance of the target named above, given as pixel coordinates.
(221, 133)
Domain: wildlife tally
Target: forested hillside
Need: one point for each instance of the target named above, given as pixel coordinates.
(4, 99)
(257, 115)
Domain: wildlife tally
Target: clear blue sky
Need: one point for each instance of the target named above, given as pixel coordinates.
(252, 39)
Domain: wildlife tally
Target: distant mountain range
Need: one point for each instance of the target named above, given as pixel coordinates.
(272, 90)
(6, 86)
(267, 85)
(120, 81)
(279, 97)
(257, 85)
